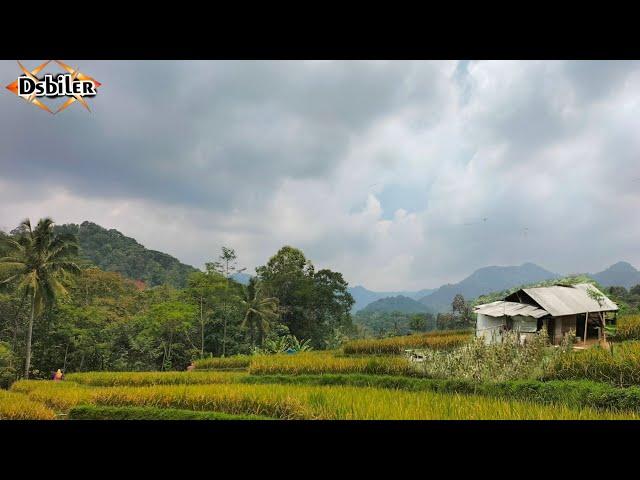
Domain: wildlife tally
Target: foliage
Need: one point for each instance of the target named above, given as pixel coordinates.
(313, 304)
(259, 311)
(284, 344)
(445, 339)
(111, 251)
(7, 362)
(617, 365)
(38, 262)
(381, 324)
(92, 412)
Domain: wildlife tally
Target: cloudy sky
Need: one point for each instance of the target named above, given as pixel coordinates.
(401, 175)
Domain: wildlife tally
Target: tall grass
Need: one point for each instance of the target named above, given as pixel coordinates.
(338, 402)
(317, 362)
(508, 360)
(628, 328)
(618, 365)
(221, 363)
(16, 406)
(114, 379)
(440, 340)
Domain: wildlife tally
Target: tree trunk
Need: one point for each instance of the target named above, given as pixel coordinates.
(201, 331)
(29, 334)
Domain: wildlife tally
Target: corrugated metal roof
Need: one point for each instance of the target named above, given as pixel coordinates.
(511, 309)
(568, 300)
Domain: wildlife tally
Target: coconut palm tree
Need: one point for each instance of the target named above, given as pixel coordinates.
(38, 261)
(258, 310)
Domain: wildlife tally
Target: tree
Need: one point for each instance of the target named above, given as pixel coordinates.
(418, 322)
(226, 265)
(166, 322)
(203, 287)
(39, 261)
(258, 310)
(312, 304)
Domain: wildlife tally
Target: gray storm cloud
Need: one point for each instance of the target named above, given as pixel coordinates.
(385, 171)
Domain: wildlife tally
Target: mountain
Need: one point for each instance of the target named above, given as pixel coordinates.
(112, 251)
(484, 281)
(364, 297)
(619, 274)
(398, 303)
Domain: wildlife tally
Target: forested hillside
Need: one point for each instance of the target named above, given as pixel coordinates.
(114, 252)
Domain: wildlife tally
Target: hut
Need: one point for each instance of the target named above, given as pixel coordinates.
(557, 308)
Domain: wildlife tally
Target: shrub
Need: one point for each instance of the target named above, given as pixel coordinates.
(476, 360)
(92, 412)
(440, 340)
(16, 406)
(618, 365)
(7, 370)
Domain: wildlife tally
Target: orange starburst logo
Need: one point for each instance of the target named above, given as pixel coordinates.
(73, 85)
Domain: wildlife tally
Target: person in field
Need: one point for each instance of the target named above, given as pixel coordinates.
(191, 367)
(58, 375)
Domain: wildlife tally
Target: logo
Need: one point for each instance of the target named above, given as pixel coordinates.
(73, 85)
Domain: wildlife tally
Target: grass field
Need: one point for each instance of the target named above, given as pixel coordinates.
(439, 340)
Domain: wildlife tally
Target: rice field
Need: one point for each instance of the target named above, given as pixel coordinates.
(14, 406)
(628, 328)
(317, 363)
(223, 363)
(290, 402)
(440, 340)
(618, 365)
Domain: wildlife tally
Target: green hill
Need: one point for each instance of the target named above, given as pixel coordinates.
(396, 304)
(112, 251)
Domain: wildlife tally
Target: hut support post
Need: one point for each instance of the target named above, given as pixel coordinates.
(586, 319)
(604, 334)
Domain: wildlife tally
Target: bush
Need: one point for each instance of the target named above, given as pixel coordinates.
(618, 365)
(92, 412)
(7, 362)
(440, 340)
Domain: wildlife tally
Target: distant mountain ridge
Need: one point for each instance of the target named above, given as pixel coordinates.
(364, 296)
(112, 251)
(621, 274)
(486, 280)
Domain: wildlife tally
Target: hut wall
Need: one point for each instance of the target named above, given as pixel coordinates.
(488, 328)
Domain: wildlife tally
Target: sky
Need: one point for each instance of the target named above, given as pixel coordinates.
(401, 175)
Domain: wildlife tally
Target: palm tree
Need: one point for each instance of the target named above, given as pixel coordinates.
(258, 310)
(39, 261)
